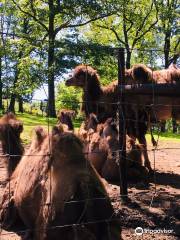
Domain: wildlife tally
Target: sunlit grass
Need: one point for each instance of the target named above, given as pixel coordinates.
(168, 136)
(30, 121)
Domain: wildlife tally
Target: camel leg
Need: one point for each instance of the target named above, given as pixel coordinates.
(137, 122)
(174, 124)
(142, 140)
(163, 126)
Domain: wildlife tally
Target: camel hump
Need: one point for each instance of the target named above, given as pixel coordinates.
(141, 73)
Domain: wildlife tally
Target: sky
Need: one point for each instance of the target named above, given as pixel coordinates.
(41, 93)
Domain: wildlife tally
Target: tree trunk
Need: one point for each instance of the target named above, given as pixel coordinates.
(167, 45)
(1, 103)
(128, 54)
(51, 100)
(20, 102)
(128, 58)
(11, 107)
(13, 95)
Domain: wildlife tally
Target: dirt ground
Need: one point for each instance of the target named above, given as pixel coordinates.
(151, 206)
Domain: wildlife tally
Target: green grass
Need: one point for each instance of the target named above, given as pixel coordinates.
(168, 136)
(30, 121)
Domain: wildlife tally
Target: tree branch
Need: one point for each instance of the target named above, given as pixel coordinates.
(68, 25)
(149, 28)
(129, 28)
(178, 42)
(64, 25)
(145, 18)
(30, 15)
(117, 36)
(113, 30)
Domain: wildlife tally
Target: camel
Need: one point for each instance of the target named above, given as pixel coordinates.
(96, 99)
(101, 100)
(65, 118)
(164, 108)
(101, 148)
(12, 148)
(71, 113)
(57, 192)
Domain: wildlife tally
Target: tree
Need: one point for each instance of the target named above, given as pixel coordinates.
(72, 51)
(128, 27)
(168, 29)
(68, 98)
(53, 17)
(16, 55)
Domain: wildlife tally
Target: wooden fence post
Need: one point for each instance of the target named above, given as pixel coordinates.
(122, 126)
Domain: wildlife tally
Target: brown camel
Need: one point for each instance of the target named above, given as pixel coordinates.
(162, 108)
(65, 117)
(101, 148)
(103, 102)
(96, 99)
(99, 100)
(140, 74)
(12, 148)
(58, 194)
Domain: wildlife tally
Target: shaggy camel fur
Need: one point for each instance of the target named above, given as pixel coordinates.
(96, 99)
(10, 130)
(59, 187)
(140, 73)
(65, 117)
(99, 100)
(101, 147)
(71, 113)
(164, 108)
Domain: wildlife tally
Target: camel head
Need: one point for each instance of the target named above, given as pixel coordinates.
(128, 76)
(91, 122)
(10, 128)
(85, 77)
(110, 129)
(65, 118)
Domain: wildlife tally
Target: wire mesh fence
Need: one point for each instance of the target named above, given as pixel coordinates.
(45, 178)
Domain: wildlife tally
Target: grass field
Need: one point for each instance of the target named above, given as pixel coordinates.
(30, 121)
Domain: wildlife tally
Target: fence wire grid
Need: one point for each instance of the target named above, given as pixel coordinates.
(117, 153)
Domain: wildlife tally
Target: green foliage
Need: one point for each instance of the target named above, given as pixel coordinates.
(68, 97)
(72, 51)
